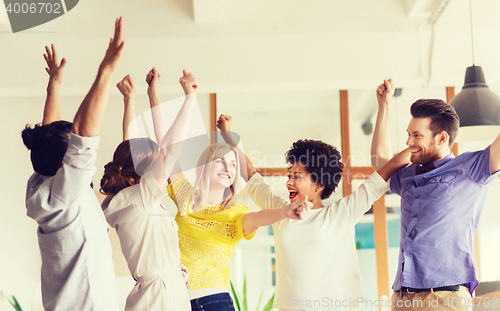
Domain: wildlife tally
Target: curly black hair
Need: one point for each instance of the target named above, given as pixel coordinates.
(321, 160)
(48, 144)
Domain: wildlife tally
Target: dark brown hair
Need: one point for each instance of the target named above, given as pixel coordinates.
(128, 165)
(444, 118)
(48, 144)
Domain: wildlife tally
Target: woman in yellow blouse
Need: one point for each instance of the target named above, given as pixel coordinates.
(211, 224)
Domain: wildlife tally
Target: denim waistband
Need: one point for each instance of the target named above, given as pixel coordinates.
(202, 300)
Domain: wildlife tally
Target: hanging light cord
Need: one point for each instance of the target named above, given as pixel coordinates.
(471, 32)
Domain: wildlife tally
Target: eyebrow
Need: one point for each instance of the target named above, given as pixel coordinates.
(414, 132)
(221, 158)
(295, 172)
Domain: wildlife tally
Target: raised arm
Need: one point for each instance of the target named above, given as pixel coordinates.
(381, 149)
(128, 90)
(159, 122)
(171, 144)
(394, 165)
(89, 116)
(52, 110)
(495, 155)
(224, 125)
(254, 220)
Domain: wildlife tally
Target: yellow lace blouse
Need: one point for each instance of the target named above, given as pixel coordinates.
(207, 238)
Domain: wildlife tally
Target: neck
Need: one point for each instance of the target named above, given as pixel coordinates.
(215, 196)
(317, 203)
(443, 154)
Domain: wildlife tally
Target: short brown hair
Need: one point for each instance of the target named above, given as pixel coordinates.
(444, 118)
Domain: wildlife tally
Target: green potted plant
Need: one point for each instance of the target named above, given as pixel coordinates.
(244, 302)
(13, 302)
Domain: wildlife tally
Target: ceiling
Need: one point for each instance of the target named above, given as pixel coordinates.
(262, 45)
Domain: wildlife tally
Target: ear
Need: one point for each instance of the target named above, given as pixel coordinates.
(319, 188)
(443, 138)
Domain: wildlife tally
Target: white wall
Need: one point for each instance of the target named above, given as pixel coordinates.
(267, 50)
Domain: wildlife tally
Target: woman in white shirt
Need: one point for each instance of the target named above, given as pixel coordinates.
(316, 262)
(148, 233)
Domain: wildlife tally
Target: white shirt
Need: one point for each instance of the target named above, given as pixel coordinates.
(150, 243)
(77, 260)
(316, 261)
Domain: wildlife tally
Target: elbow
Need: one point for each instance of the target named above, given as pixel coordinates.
(376, 161)
(249, 225)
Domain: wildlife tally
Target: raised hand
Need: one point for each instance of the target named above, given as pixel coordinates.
(188, 83)
(153, 80)
(381, 150)
(54, 69)
(385, 92)
(127, 86)
(128, 90)
(224, 123)
(89, 116)
(298, 210)
(115, 48)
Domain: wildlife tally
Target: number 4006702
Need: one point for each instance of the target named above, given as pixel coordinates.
(34, 8)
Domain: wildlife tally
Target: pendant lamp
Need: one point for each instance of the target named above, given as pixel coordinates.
(477, 106)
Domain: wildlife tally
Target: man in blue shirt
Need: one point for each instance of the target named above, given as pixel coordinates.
(442, 198)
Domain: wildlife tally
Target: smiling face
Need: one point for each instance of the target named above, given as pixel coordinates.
(423, 144)
(300, 184)
(223, 168)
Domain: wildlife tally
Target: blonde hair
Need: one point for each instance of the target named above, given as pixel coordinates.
(201, 186)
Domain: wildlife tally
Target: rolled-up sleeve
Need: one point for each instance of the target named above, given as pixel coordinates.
(360, 201)
(478, 167)
(263, 194)
(52, 201)
(396, 183)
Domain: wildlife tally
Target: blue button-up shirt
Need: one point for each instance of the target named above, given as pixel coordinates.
(440, 212)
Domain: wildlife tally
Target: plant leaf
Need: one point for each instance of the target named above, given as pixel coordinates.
(15, 304)
(245, 306)
(260, 299)
(236, 300)
(269, 304)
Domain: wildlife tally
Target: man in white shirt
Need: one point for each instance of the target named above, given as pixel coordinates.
(77, 263)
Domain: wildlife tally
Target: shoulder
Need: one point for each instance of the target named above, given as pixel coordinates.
(150, 187)
(179, 179)
(239, 208)
(463, 157)
(126, 197)
(36, 180)
(231, 213)
(81, 142)
(409, 170)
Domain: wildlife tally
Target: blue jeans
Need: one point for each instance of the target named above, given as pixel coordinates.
(216, 302)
